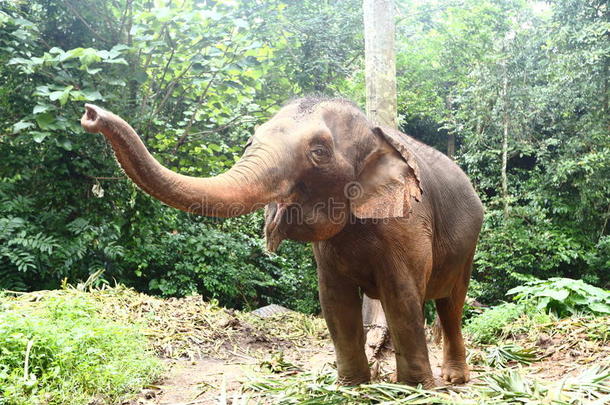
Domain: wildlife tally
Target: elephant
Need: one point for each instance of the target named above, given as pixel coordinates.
(388, 216)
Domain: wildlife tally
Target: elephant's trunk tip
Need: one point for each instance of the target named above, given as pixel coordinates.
(91, 119)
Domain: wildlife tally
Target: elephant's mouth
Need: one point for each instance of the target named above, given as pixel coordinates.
(299, 222)
(274, 213)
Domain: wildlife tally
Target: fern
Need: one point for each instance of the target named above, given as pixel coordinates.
(10, 280)
(113, 251)
(78, 226)
(37, 242)
(21, 250)
(8, 225)
(17, 205)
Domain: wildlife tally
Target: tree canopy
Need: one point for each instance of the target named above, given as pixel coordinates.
(516, 91)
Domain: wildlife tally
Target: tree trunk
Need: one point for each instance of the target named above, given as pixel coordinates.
(606, 109)
(451, 133)
(381, 106)
(505, 122)
(380, 63)
(451, 145)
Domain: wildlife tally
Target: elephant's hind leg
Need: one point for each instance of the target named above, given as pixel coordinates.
(454, 369)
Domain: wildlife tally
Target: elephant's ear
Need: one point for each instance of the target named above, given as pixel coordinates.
(388, 179)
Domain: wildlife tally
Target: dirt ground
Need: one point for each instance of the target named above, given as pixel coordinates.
(211, 353)
(213, 381)
(219, 380)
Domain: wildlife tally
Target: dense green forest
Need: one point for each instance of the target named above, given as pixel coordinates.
(517, 92)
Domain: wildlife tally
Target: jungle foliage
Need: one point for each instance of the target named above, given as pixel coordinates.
(520, 92)
(58, 349)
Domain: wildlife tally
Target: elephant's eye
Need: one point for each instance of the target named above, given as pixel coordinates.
(320, 154)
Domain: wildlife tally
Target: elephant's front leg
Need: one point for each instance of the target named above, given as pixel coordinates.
(403, 305)
(342, 309)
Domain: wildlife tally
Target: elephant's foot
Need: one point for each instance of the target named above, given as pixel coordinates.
(455, 372)
(426, 381)
(354, 380)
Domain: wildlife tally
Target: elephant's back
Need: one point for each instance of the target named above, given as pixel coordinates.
(444, 178)
(455, 208)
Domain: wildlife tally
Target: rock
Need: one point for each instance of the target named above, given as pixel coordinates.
(270, 310)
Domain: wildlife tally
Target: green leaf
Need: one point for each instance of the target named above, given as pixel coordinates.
(61, 95)
(116, 82)
(45, 121)
(21, 125)
(56, 51)
(39, 136)
(40, 108)
(42, 91)
(64, 143)
(558, 295)
(592, 290)
(121, 61)
(73, 53)
(140, 76)
(543, 303)
(163, 14)
(89, 56)
(515, 290)
(600, 307)
(119, 48)
(92, 95)
(19, 61)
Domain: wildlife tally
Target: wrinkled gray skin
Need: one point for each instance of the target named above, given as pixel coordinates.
(387, 215)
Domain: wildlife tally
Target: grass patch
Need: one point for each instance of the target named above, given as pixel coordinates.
(505, 320)
(56, 348)
(487, 327)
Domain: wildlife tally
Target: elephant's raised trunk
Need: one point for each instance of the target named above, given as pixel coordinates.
(227, 195)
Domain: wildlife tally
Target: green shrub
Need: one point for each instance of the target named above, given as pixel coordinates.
(59, 350)
(226, 261)
(564, 297)
(524, 247)
(538, 302)
(487, 327)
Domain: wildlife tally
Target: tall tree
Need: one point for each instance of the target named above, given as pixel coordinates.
(381, 106)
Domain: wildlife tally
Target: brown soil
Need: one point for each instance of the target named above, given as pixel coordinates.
(210, 380)
(233, 347)
(213, 381)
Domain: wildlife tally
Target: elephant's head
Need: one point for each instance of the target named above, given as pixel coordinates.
(315, 164)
